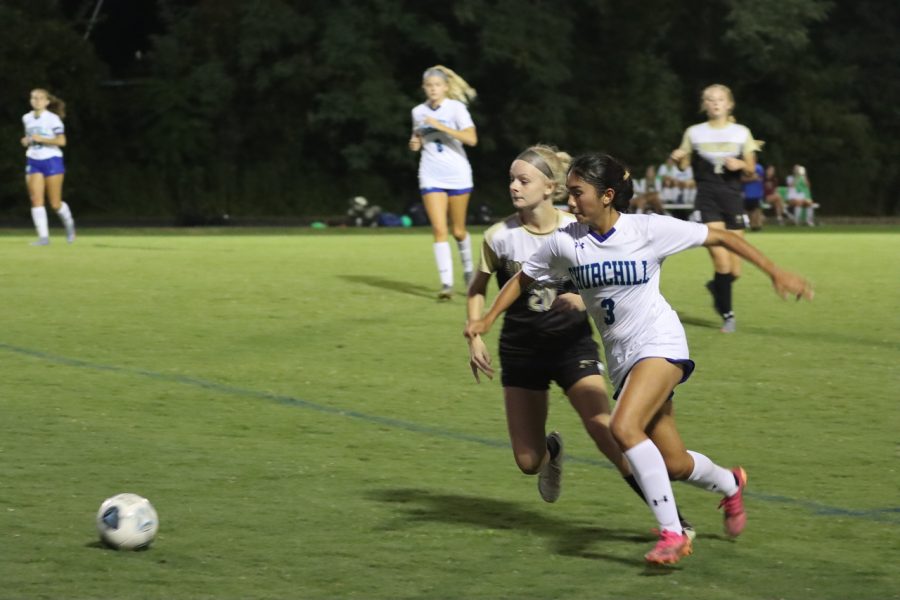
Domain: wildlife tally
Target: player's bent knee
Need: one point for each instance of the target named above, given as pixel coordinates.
(529, 462)
(680, 470)
(625, 434)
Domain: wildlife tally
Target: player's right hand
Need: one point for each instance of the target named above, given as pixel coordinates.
(479, 359)
(789, 285)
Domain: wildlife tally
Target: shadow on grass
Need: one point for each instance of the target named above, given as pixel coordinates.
(696, 322)
(393, 285)
(127, 247)
(565, 538)
(780, 329)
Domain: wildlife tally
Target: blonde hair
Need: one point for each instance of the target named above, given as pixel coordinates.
(552, 163)
(55, 105)
(722, 88)
(458, 88)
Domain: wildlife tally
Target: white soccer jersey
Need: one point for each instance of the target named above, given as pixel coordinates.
(443, 162)
(713, 145)
(48, 125)
(617, 275)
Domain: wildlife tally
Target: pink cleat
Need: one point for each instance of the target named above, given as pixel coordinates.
(670, 548)
(735, 516)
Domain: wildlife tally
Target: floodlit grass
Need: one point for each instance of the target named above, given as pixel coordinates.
(299, 409)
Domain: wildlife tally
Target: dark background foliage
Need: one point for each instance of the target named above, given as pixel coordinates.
(186, 111)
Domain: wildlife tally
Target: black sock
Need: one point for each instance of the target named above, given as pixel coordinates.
(631, 481)
(552, 447)
(722, 286)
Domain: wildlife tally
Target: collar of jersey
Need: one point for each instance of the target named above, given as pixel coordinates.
(602, 237)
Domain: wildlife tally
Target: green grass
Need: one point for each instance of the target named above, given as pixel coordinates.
(299, 409)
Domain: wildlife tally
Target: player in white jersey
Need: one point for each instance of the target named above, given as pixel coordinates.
(614, 259)
(720, 151)
(45, 136)
(546, 334)
(441, 126)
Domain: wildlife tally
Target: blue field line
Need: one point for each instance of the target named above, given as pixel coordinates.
(883, 515)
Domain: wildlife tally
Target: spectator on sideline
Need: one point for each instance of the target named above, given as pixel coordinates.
(800, 196)
(770, 191)
(646, 193)
(753, 196)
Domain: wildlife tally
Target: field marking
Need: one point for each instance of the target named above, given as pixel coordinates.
(883, 515)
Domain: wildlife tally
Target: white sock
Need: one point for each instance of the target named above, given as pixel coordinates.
(649, 469)
(710, 476)
(39, 216)
(465, 253)
(690, 194)
(444, 261)
(65, 215)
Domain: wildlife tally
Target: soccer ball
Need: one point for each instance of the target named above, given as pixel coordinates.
(127, 522)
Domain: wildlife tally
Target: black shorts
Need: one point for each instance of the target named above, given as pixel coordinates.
(721, 204)
(534, 369)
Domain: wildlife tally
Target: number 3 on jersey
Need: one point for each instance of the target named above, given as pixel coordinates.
(609, 305)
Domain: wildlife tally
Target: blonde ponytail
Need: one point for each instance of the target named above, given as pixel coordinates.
(458, 88)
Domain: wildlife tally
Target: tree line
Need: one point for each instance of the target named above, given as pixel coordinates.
(278, 108)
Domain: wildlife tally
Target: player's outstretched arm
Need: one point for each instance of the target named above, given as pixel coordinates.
(510, 292)
(479, 357)
(786, 284)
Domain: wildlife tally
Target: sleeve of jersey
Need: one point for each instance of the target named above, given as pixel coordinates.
(489, 260)
(463, 118)
(58, 127)
(669, 236)
(544, 264)
(750, 144)
(686, 145)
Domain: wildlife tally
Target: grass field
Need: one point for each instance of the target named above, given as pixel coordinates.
(299, 409)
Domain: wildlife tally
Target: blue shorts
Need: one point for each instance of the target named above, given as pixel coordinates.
(46, 167)
(431, 190)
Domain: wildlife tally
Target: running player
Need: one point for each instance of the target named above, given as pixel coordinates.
(546, 334)
(614, 260)
(45, 136)
(441, 126)
(719, 151)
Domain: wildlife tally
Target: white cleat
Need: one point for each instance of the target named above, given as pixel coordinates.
(550, 477)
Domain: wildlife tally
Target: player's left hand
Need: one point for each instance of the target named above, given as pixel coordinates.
(434, 123)
(733, 164)
(789, 284)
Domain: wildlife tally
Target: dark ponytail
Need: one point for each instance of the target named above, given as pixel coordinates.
(604, 172)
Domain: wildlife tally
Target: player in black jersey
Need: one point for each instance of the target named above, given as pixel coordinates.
(720, 151)
(546, 334)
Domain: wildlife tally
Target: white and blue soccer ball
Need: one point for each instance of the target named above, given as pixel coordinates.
(127, 522)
